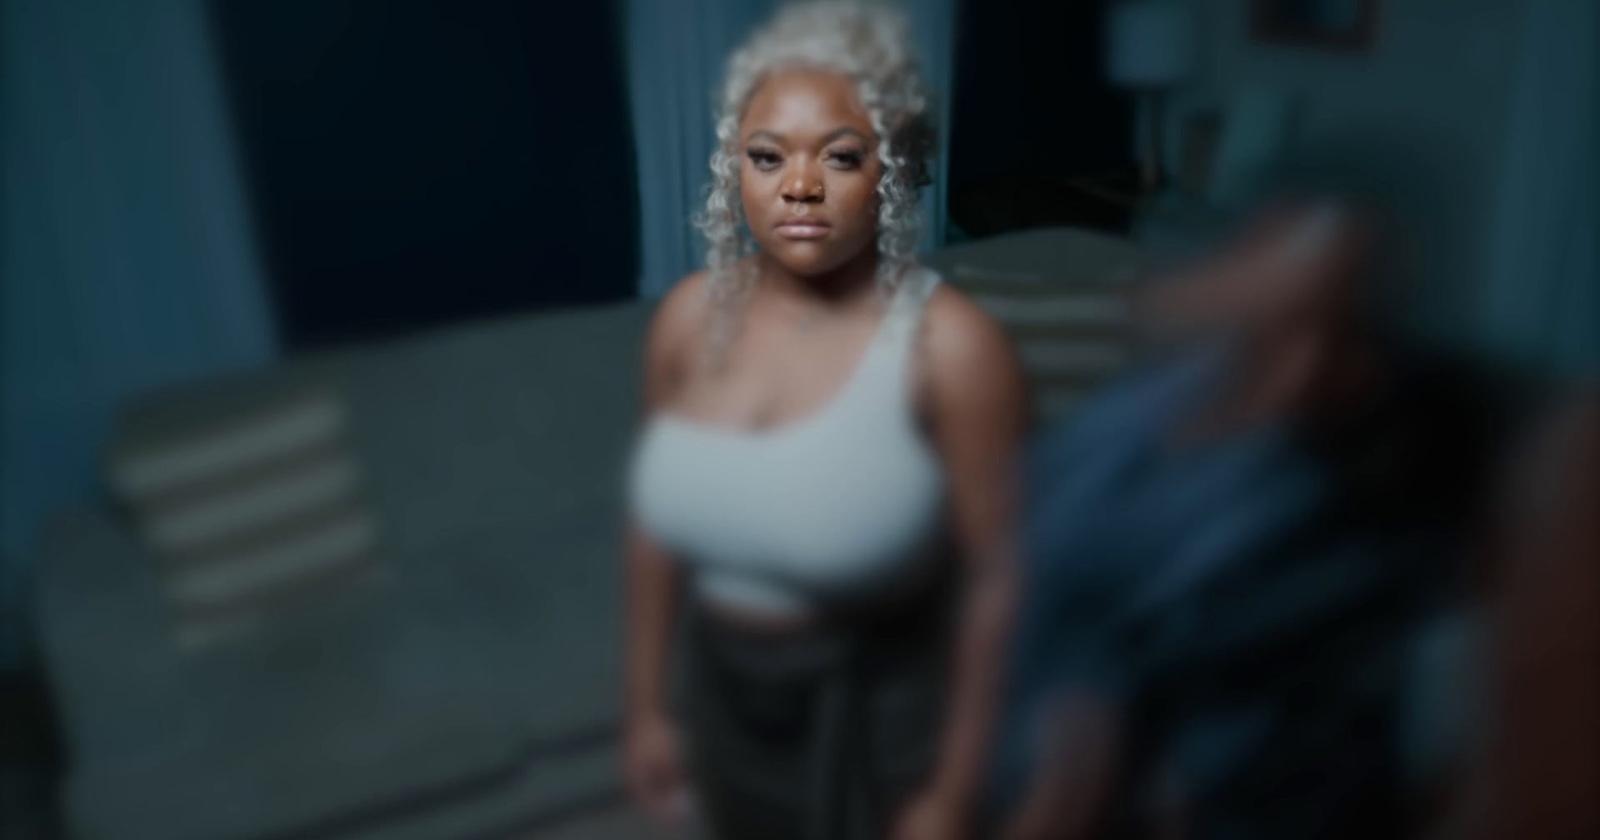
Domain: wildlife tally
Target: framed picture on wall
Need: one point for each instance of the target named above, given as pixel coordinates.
(1349, 25)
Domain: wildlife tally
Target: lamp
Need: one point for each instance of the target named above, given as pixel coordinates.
(1149, 48)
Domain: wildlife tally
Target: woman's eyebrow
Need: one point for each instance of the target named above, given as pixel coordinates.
(775, 137)
(840, 132)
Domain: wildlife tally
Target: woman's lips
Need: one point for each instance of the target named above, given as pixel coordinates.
(803, 229)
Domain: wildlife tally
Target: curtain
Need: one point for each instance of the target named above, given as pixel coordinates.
(1541, 306)
(125, 246)
(676, 50)
(933, 28)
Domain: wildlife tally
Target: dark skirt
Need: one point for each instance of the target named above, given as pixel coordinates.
(818, 735)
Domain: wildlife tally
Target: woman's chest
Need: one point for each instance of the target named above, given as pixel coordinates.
(813, 496)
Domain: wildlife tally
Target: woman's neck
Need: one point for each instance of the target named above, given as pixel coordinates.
(840, 288)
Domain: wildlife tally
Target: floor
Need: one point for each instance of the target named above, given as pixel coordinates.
(620, 823)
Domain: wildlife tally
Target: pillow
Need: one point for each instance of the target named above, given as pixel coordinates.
(1071, 336)
(249, 505)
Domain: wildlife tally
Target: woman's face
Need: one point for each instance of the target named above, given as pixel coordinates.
(809, 173)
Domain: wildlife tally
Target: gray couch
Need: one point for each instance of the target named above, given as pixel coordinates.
(469, 689)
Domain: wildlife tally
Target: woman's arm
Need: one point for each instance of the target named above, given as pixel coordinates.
(652, 604)
(652, 760)
(653, 768)
(977, 402)
(652, 579)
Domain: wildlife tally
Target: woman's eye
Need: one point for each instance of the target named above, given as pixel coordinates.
(764, 160)
(847, 159)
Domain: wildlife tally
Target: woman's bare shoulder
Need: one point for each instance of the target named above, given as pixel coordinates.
(970, 361)
(958, 330)
(680, 317)
(682, 310)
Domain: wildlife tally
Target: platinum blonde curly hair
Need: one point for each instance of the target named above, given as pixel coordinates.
(869, 43)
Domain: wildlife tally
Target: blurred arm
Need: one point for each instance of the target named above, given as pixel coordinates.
(1541, 768)
(652, 603)
(977, 400)
(653, 575)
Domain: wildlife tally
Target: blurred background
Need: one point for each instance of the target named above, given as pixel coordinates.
(319, 327)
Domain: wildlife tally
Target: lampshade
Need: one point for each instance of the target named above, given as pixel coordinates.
(1149, 43)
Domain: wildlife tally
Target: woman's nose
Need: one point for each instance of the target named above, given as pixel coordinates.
(802, 184)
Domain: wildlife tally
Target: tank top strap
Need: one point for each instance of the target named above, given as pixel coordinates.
(905, 314)
(896, 343)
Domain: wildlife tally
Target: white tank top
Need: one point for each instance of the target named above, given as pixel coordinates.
(841, 504)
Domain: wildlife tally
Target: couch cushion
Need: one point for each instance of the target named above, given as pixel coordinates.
(1049, 255)
(356, 707)
(512, 425)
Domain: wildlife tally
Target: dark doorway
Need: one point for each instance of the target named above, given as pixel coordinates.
(1034, 116)
(414, 162)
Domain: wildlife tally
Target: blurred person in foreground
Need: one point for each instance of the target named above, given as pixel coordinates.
(1537, 760)
(1228, 551)
(817, 404)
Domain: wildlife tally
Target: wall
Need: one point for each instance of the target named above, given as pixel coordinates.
(1428, 104)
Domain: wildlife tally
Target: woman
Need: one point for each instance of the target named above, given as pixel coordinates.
(816, 402)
